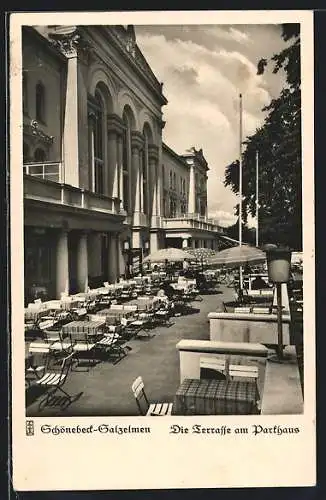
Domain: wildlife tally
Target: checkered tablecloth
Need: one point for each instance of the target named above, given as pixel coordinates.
(78, 327)
(216, 397)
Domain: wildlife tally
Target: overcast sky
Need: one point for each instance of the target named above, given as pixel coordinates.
(204, 68)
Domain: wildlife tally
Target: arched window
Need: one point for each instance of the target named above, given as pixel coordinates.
(98, 183)
(39, 155)
(126, 144)
(174, 181)
(171, 179)
(40, 102)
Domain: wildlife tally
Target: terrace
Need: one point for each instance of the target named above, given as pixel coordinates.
(106, 388)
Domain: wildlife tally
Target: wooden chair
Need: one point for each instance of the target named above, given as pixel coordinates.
(54, 380)
(83, 346)
(224, 370)
(146, 408)
(110, 344)
(35, 364)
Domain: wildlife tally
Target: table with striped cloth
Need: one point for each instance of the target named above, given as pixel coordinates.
(216, 397)
(90, 328)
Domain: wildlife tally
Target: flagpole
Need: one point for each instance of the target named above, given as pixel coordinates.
(240, 183)
(257, 197)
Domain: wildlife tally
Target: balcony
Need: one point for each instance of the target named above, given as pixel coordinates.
(39, 186)
(191, 221)
(49, 171)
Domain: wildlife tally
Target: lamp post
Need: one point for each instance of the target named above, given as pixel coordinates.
(279, 263)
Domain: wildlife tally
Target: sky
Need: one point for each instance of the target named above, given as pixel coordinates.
(204, 68)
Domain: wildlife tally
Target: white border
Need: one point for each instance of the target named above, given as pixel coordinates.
(161, 460)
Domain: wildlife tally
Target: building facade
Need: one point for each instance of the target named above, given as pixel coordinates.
(184, 183)
(94, 165)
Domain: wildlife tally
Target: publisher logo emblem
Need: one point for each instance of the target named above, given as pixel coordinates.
(29, 427)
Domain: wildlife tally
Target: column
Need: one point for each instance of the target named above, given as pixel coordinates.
(159, 193)
(140, 179)
(191, 200)
(62, 265)
(136, 146)
(120, 171)
(120, 257)
(71, 43)
(82, 263)
(113, 258)
(153, 169)
(135, 164)
(70, 131)
(114, 130)
(185, 243)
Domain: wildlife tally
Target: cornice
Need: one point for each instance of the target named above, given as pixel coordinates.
(120, 38)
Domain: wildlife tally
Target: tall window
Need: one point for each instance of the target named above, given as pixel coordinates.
(171, 179)
(174, 181)
(98, 183)
(40, 102)
(126, 140)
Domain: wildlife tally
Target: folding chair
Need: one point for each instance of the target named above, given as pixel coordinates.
(54, 380)
(60, 345)
(110, 345)
(35, 365)
(83, 346)
(146, 408)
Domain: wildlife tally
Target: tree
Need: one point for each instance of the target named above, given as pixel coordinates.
(278, 142)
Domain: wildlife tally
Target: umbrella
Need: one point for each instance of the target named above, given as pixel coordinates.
(170, 254)
(202, 253)
(238, 256)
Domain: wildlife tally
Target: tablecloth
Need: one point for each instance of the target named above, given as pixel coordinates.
(216, 397)
(78, 327)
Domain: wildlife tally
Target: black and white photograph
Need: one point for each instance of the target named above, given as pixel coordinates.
(163, 256)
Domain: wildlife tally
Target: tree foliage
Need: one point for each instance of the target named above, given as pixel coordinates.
(278, 142)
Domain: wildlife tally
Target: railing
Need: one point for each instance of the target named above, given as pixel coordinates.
(193, 221)
(50, 171)
(36, 189)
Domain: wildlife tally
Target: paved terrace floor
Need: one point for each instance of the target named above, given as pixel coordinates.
(106, 389)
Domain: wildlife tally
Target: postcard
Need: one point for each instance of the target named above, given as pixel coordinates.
(162, 250)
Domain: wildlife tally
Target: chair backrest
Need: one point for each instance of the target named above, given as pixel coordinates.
(51, 335)
(80, 338)
(261, 310)
(242, 310)
(130, 308)
(66, 366)
(116, 307)
(140, 395)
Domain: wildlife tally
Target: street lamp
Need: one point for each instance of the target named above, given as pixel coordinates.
(279, 264)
